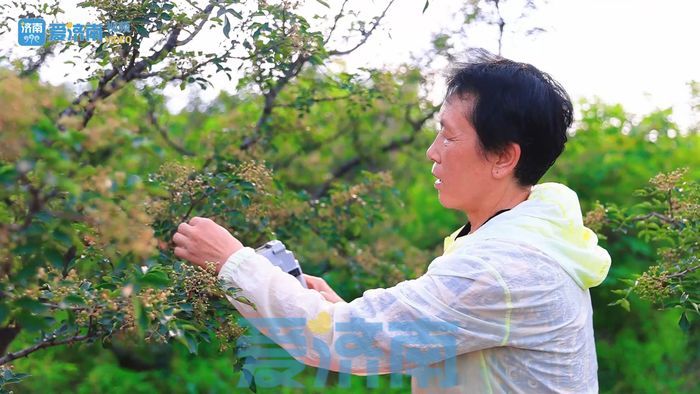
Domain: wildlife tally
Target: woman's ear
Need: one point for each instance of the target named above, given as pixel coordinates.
(505, 161)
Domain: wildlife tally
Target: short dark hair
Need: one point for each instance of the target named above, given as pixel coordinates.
(514, 102)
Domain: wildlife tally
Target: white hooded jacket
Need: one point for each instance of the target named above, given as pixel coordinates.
(504, 309)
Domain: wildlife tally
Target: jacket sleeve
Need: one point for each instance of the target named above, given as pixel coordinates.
(411, 325)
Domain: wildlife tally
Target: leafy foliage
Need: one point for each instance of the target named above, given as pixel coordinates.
(92, 195)
(610, 155)
(333, 163)
(668, 218)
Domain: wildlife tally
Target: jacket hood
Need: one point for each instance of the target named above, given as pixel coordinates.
(549, 220)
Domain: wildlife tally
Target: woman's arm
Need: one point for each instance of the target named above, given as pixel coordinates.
(410, 325)
(415, 323)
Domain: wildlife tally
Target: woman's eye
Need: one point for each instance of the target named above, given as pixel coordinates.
(447, 138)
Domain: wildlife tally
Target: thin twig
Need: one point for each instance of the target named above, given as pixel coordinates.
(335, 22)
(153, 119)
(501, 25)
(270, 98)
(365, 35)
(110, 83)
(34, 66)
(205, 17)
(682, 273)
(657, 215)
(344, 168)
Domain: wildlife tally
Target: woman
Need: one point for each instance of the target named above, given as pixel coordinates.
(506, 308)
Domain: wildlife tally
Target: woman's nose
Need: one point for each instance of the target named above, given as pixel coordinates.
(431, 153)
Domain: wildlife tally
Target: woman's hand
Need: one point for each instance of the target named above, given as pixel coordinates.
(320, 285)
(201, 240)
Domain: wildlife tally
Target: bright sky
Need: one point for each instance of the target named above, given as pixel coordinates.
(640, 53)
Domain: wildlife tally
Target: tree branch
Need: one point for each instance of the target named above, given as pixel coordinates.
(501, 25)
(663, 218)
(335, 22)
(344, 168)
(365, 35)
(292, 72)
(113, 79)
(34, 66)
(285, 162)
(153, 119)
(109, 83)
(270, 97)
(682, 273)
(46, 342)
(205, 17)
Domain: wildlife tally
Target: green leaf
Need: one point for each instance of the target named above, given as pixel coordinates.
(54, 257)
(156, 278)
(7, 174)
(74, 299)
(625, 304)
(142, 31)
(30, 322)
(8, 376)
(246, 301)
(315, 60)
(324, 3)
(30, 305)
(245, 200)
(189, 341)
(427, 3)
(140, 315)
(227, 26)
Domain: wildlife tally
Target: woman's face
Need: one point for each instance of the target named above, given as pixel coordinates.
(463, 171)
